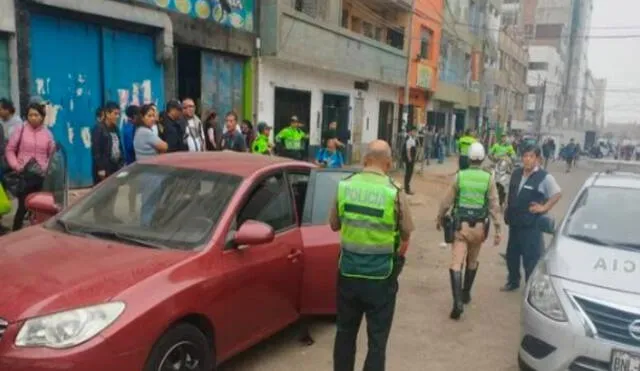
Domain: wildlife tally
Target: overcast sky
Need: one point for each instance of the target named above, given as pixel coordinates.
(617, 60)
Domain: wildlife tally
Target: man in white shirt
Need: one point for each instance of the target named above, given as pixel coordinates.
(194, 131)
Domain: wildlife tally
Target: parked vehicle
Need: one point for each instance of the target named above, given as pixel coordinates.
(582, 304)
(502, 170)
(233, 248)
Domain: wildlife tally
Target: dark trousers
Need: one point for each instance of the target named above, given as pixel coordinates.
(375, 299)
(463, 162)
(408, 174)
(294, 155)
(32, 184)
(525, 243)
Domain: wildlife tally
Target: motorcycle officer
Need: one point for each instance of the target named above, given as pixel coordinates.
(501, 149)
(472, 199)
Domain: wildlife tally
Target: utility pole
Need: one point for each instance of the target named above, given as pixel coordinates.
(543, 95)
(483, 79)
(407, 83)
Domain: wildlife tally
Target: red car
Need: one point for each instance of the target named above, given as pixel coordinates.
(174, 263)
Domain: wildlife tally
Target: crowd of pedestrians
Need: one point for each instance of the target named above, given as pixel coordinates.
(26, 146)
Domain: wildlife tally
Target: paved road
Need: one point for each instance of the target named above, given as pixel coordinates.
(423, 337)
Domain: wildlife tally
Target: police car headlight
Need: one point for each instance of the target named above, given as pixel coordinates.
(70, 328)
(543, 296)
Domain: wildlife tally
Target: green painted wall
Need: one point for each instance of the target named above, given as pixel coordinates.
(247, 106)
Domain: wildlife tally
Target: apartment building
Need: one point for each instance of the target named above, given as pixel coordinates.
(333, 60)
(423, 59)
(600, 94)
(545, 66)
(457, 101)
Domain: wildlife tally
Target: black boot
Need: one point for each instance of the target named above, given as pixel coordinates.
(469, 277)
(456, 291)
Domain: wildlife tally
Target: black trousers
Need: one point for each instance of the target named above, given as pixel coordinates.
(408, 174)
(374, 299)
(32, 184)
(526, 244)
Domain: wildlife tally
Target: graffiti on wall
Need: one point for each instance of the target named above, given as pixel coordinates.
(231, 13)
(75, 111)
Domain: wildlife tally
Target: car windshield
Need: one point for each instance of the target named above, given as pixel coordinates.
(152, 206)
(605, 216)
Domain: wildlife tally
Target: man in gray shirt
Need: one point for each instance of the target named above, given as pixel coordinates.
(532, 194)
(8, 118)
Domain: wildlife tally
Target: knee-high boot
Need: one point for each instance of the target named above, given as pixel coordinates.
(456, 291)
(469, 277)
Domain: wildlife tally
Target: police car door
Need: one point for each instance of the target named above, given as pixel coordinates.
(321, 244)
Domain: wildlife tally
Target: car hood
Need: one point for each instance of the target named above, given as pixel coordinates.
(602, 266)
(44, 272)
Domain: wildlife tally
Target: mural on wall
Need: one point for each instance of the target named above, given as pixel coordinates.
(231, 13)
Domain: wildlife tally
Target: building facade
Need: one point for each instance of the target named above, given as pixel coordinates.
(545, 66)
(457, 101)
(8, 51)
(588, 104)
(79, 54)
(332, 60)
(423, 59)
(511, 82)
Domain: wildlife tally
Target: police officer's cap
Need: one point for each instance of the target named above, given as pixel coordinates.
(263, 126)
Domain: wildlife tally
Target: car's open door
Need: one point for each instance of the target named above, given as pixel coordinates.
(321, 244)
(56, 182)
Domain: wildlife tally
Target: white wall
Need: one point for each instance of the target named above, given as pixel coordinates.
(275, 73)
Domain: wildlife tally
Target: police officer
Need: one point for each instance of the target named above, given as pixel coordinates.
(463, 146)
(375, 224)
(261, 144)
(291, 140)
(532, 193)
(502, 148)
(472, 198)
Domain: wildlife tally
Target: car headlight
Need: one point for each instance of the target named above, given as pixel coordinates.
(543, 296)
(70, 328)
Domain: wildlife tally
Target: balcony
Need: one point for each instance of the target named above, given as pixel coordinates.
(315, 37)
(455, 86)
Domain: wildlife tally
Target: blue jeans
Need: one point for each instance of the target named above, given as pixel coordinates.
(440, 151)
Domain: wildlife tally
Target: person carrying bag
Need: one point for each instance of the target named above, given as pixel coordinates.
(28, 154)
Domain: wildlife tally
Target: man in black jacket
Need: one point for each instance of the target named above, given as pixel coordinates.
(106, 146)
(174, 127)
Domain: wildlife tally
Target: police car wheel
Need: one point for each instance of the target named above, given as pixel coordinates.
(182, 347)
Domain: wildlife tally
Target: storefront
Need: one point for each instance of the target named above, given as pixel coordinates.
(77, 65)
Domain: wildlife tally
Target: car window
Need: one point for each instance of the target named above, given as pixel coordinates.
(299, 181)
(55, 180)
(321, 195)
(170, 206)
(603, 214)
(270, 203)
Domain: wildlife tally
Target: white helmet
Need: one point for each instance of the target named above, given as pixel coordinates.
(476, 152)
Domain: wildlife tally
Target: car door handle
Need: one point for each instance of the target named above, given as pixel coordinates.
(294, 254)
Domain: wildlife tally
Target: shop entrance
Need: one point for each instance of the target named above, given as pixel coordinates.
(189, 74)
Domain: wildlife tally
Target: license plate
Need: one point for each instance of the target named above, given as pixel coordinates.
(624, 361)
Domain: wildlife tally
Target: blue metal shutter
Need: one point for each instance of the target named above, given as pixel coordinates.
(5, 72)
(222, 83)
(131, 74)
(65, 70)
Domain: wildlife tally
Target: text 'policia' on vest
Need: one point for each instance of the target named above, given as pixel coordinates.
(369, 231)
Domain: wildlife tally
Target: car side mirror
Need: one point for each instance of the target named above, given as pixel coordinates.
(42, 203)
(253, 232)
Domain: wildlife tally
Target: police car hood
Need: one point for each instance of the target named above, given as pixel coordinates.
(603, 266)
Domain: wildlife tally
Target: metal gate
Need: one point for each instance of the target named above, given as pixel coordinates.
(76, 67)
(5, 72)
(222, 84)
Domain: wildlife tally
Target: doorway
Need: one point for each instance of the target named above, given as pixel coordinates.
(292, 102)
(189, 71)
(335, 107)
(385, 121)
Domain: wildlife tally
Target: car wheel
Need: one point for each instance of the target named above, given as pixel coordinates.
(182, 347)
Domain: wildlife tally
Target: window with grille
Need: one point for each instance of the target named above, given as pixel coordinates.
(426, 37)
